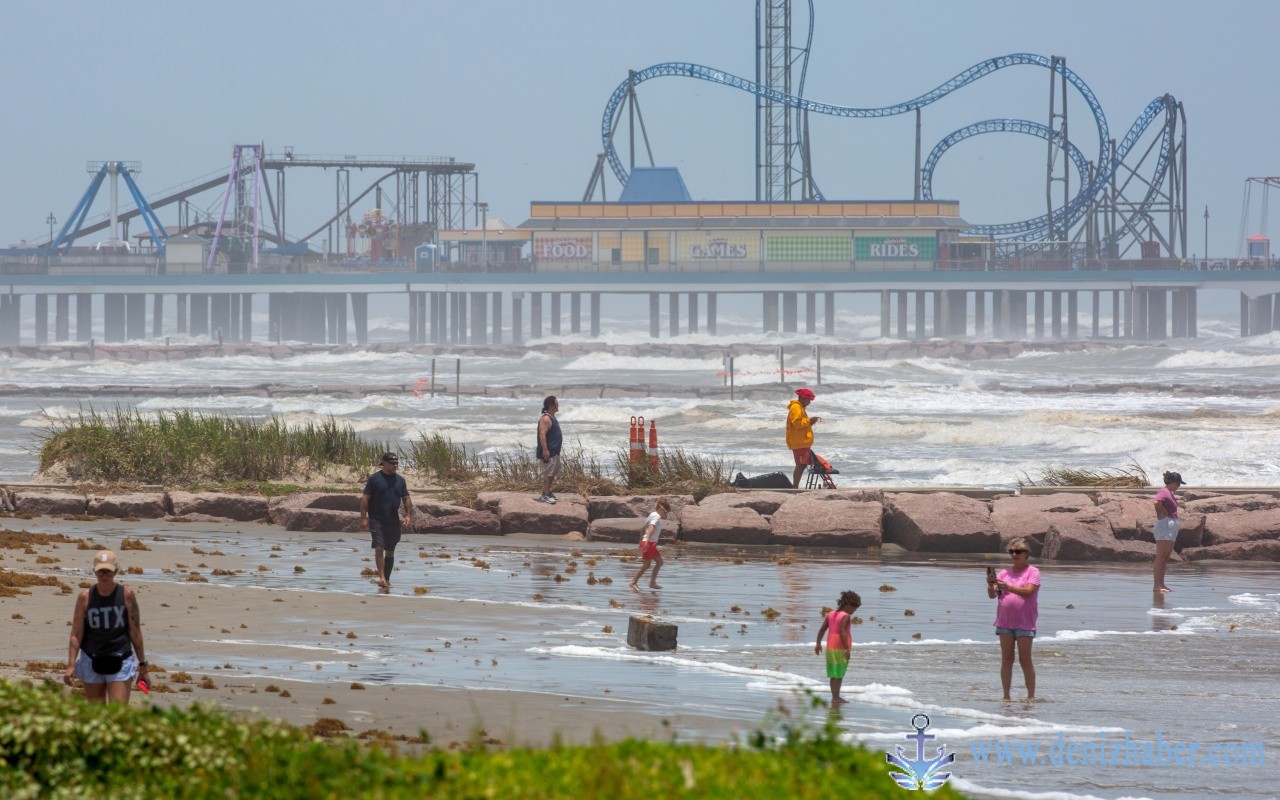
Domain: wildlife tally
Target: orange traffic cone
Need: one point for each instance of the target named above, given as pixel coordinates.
(653, 447)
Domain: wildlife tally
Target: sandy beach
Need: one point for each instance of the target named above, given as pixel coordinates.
(183, 621)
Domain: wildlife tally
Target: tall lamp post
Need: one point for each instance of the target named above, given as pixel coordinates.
(484, 234)
(52, 220)
(1206, 237)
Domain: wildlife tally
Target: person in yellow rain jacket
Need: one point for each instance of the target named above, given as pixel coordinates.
(800, 432)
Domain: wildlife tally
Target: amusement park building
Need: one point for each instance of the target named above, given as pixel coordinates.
(692, 236)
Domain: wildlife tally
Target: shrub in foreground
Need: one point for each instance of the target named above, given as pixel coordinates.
(53, 745)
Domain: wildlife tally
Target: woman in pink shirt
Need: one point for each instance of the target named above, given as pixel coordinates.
(1016, 589)
(1166, 527)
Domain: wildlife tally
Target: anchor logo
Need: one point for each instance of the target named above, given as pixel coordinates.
(920, 773)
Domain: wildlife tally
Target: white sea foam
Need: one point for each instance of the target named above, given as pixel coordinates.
(978, 790)
(1081, 636)
(995, 730)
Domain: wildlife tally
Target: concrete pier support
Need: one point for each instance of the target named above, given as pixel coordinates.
(42, 318)
(1127, 299)
(1097, 311)
(157, 316)
(84, 317)
(332, 304)
(692, 300)
(919, 331)
(1000, 314)
(902, 315)
(416, 320)
(495, 310)
(199, 314)
(790, 306)
(829, 313)
(517, 317)
(62, 318)
(1178, 329)
(711, 313)
(113, 312)
(595, 315)
(673, 314)
(1039, 315)
(1073, 315)
(810, 312)
(1258, 315)
(360, 315)
(1192, 325)
(10, 318)
(770, 300)
(535, 315)
(885, 321)
(575, 312)
(1057, 314)
(479, 317)
(1157, 314)
(979, 314)
(233, 330)
(1140, 300)
(655, 313)
(246, 317)
(939, 329)
(555, 314)
(135, 317)
(1116, 315)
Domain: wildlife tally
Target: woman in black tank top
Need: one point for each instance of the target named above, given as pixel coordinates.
(105, 650)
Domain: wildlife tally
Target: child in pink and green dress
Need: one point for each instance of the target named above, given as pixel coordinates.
(836, 627)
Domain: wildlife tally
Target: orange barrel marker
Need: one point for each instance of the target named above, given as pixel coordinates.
(653, 447)
(633, 456)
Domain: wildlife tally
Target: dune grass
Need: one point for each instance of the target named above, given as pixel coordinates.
(184, 447)
(54, 745)
(1130, 477)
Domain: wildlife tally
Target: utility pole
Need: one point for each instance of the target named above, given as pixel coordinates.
(1206, 236)
(52, 220)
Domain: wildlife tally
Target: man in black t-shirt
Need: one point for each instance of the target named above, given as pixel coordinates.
(384, 493)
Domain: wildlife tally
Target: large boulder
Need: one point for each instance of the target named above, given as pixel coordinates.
(827, 519)
(761, 502)
(313, 512)
(145, 505)
(1085, 539)
(1029, 516)
(238, 507)
(1219, 503)
(522, 512)
(1240, 525)
(939, 522)
(48, 503)
(431, 516)
(1129, 514)
(637, 505)
(626, 530)
(723, 524)
(1259, 550)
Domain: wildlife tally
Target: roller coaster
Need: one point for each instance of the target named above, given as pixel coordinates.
(1124, 191)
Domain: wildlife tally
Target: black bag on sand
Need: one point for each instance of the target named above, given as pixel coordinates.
(107, 664)
(772, 480)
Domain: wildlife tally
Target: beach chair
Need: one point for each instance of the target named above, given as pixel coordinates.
(818, 476)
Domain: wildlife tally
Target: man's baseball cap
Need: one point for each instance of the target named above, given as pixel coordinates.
(805, 394)
(105, 559)
(390, 457)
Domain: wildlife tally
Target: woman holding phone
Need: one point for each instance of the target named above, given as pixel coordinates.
(1015, 588)
(105, 651)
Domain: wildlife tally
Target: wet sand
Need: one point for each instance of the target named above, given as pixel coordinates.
(184, 623)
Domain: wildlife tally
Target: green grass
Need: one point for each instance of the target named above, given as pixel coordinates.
(1130, 477)
(184, 447)
(53, 745)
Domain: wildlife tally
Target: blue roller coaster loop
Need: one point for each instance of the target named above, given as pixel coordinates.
(1107, 163)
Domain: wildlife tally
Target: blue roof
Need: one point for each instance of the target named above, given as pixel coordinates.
(655, 185)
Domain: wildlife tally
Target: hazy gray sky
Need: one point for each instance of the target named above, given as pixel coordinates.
(518, 88)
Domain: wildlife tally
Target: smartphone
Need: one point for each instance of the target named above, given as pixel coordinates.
(991, 574)
(142, 686)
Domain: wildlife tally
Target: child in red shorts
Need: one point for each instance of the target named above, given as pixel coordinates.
(649, 545)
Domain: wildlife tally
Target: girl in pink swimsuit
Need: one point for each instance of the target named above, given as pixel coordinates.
(835, 626)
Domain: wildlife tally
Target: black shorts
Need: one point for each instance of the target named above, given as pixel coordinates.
(385, 532)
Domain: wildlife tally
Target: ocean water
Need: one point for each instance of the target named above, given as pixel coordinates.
(520, 613)
(1206, 407)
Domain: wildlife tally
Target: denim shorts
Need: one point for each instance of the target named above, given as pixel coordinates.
(1016, 632)
(84, 670)
(1166, 530)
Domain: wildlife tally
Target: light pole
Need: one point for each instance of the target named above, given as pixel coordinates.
(52, 220)
(1206, 237)
(484, 234)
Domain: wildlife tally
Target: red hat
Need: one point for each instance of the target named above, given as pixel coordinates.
(805, 394)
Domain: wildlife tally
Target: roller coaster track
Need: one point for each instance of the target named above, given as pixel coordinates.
(1095, 177)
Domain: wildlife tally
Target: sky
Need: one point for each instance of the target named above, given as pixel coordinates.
(518, 88)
